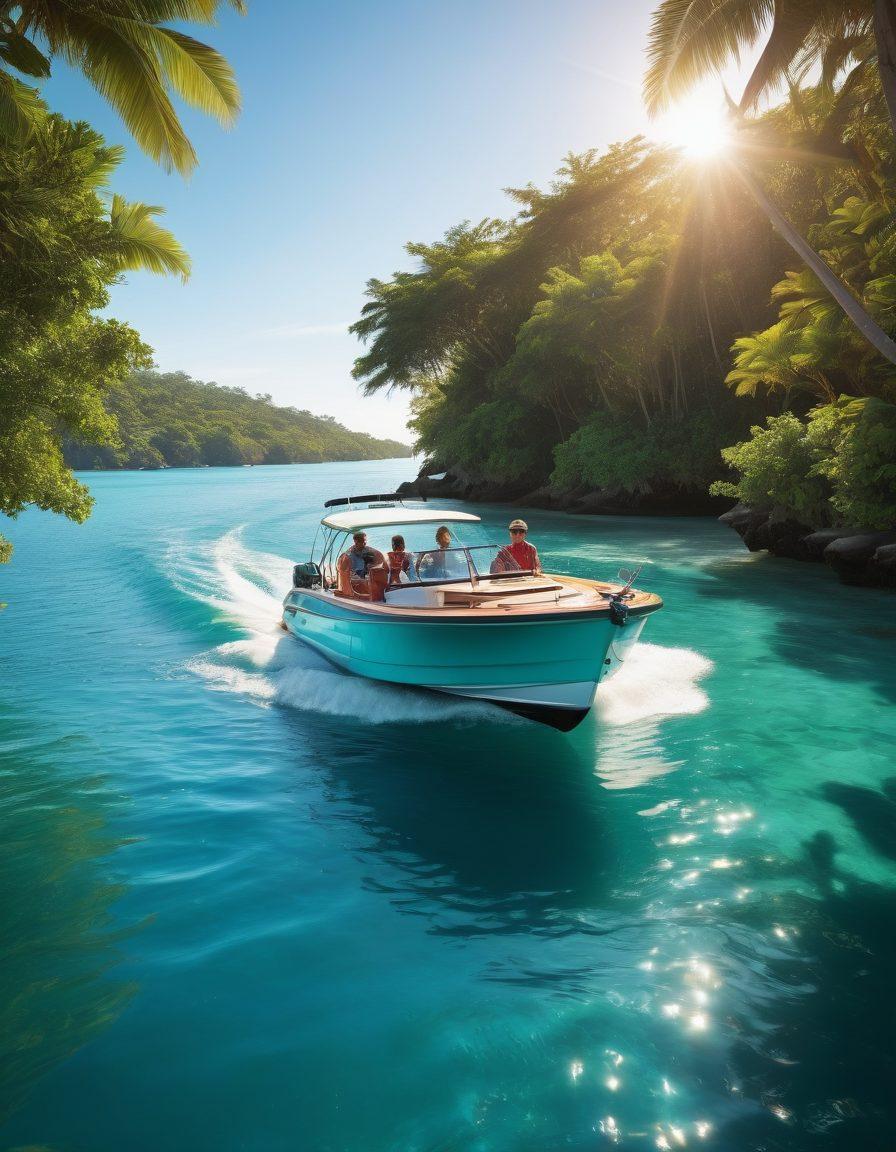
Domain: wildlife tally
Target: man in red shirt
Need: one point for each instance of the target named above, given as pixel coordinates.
(519, 553)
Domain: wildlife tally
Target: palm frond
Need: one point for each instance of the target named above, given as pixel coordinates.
(18, 52)
(792, 25)
(198, 73)
(21, 108)
(691, 38)
(135, 63)
(845, 102)
(130, 78)
(841, 51)
(142, 244)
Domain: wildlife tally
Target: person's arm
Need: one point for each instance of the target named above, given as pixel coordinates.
(500, 563)
(536, 566)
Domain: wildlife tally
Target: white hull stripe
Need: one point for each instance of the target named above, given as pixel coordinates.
(576, 695)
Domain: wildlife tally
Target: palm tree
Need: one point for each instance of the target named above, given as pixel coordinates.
(871, 330)
(690, 39)
(129, 55)
(766, 361)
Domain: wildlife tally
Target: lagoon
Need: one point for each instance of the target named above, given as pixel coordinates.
(253, 903)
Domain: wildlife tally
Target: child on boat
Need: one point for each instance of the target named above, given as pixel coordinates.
(399, 560)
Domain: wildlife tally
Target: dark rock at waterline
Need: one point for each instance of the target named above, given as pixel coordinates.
(854, 558)
(781, 537)
(742, 519)
(456, 483)
(544, 497)
(762, 532)
(866, 558)
(816, 542)
(884, 563)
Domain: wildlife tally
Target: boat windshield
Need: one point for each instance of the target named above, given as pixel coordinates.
(426, 565)
(483, 562)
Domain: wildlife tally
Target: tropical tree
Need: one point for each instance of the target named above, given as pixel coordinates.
(132, 58)
(690, 39)
(61, 249)
(813, 347)
(611, 297)
(837, 467)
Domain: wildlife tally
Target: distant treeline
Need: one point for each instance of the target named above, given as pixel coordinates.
(168, 420)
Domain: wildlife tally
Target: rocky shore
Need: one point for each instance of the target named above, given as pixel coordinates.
(858, 557)
(456, 484)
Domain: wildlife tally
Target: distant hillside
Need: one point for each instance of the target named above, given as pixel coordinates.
(166, 419)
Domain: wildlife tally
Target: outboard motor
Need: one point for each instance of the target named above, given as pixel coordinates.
(306, 576)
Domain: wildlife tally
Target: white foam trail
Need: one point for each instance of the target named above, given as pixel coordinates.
(654, 681)
(243, 585)
(268, 666)
(230, 679)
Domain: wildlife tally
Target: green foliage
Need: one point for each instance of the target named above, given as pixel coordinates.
(854, 442)
(606, 302)
(169, 420)
(694, 40)
(837, 468)
(814, 349)
(60, 252)
(615, 454)
(61, 247)
(129, 55)
(777, 472)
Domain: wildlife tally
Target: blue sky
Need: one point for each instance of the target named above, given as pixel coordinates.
(363, 126)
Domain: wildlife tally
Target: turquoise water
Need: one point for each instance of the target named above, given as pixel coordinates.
(251, 903)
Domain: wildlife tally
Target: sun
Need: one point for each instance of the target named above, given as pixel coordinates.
(698, 125)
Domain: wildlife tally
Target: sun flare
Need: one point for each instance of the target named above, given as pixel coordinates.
(698, 125)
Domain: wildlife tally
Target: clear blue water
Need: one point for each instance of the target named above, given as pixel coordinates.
(251, 903)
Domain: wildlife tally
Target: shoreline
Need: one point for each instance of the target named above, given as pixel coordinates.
(858, 557)
(235, 467)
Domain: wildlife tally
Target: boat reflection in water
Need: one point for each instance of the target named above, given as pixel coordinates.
(467, 621)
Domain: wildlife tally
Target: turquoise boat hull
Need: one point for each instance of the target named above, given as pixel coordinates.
(544, 665)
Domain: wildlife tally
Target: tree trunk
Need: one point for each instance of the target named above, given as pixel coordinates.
(712, 335)
(872, 332)
(885, 36)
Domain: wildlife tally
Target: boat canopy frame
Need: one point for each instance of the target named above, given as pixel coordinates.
(377, 510)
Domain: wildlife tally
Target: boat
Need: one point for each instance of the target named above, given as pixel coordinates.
(464, 620)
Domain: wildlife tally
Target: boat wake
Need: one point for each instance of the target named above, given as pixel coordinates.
(654, 682)
(245, 588)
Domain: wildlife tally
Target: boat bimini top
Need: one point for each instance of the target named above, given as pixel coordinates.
(358, 519)
(359, 513)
